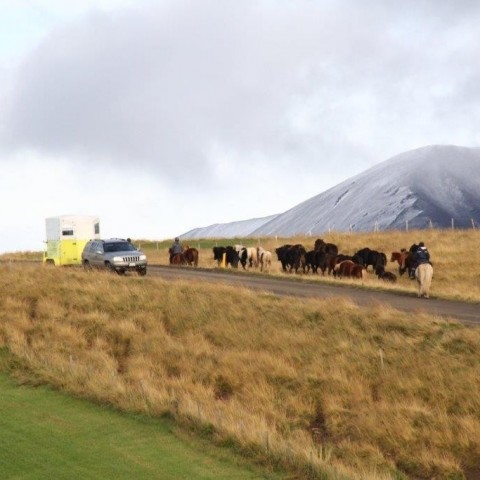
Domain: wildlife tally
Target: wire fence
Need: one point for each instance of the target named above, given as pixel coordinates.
(250, 241)
(429, 224)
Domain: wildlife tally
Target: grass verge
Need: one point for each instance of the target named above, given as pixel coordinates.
(47, 434)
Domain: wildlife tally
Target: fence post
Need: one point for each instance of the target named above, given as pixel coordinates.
(452, 225)
(406, 225)
(473, 223)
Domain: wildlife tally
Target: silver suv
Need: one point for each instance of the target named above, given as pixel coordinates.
(114, 254)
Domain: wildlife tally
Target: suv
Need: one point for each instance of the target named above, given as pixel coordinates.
(114, 254)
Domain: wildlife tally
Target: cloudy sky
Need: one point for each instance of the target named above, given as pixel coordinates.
(162, 116)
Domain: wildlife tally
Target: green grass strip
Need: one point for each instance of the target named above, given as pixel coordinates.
(46, 434)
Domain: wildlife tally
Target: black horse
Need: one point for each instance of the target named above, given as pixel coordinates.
(367, 257)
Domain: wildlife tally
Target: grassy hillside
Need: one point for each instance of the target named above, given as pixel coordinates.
(319, 387)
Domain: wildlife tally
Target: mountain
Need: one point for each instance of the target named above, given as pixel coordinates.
(242, 228)
(425, 187)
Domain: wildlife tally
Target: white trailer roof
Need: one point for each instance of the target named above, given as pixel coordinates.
(73, 227)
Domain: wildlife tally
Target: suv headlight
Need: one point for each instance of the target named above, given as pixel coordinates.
(117, 259)
(143, 257)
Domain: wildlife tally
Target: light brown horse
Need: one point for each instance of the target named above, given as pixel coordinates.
(264, 259)
(424, 274)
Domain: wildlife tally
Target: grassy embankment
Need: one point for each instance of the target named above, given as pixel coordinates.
(317, 387)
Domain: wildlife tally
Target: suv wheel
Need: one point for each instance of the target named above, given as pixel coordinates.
(86, 265)
(142, 271)
(110, 267)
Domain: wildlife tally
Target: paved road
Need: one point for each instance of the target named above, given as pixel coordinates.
(467, 313)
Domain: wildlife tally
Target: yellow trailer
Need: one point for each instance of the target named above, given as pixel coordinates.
(66, 237)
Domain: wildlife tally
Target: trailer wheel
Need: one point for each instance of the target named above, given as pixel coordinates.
(49, 262)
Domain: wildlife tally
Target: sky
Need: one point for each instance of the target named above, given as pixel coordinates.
(163, 116)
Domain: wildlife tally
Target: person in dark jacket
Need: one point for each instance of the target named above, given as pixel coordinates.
(175, 248)
(420, 255)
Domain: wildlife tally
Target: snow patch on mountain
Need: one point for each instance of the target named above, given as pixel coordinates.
(425, 187)
(242, 228)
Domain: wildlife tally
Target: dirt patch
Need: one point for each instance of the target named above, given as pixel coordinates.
(318, 427)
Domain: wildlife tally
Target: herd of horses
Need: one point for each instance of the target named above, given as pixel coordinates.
(254, 257)
(324, 257)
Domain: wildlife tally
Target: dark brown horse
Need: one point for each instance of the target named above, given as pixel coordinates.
(347, 268)
(177, 258)
(405, 260)
(385, 276)
(321, 246)
(191, 256)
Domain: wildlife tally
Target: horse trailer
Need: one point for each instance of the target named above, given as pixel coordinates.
(67, 235)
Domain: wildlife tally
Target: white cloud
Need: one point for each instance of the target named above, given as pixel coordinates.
(233, 109)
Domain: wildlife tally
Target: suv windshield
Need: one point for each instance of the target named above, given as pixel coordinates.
(118, 247)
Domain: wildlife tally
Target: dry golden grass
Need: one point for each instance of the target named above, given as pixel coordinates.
(319, 387)
(455, 255)
(22, 256)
